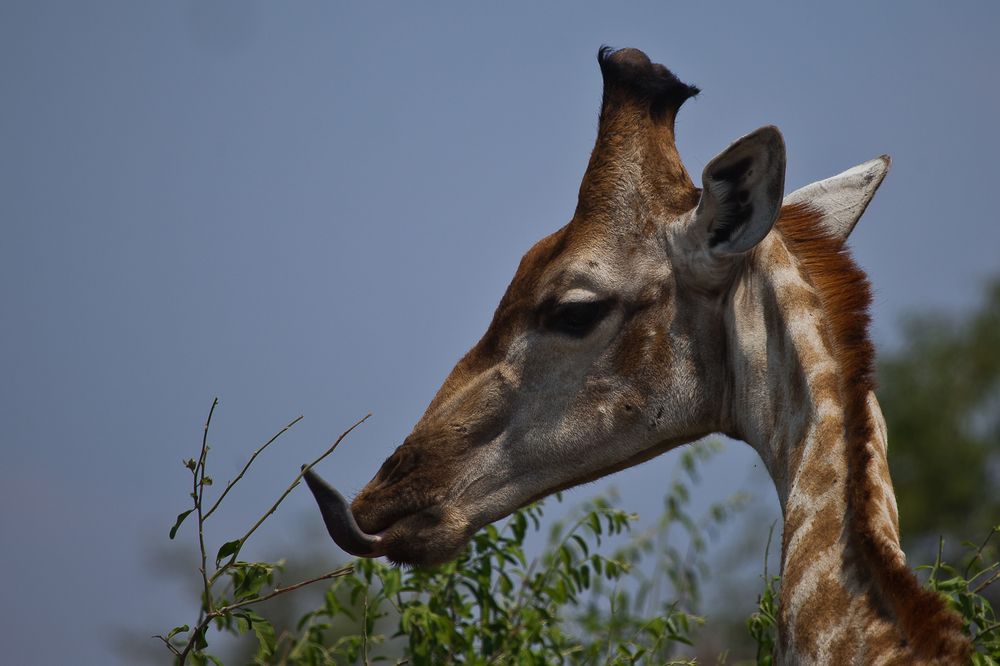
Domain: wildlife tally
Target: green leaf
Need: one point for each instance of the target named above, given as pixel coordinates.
(391, 582)
(190, 464)
(227, 549)
(264, 632)
(177, 630)
(243, 623)
(265, 639)
(248, 579)
(180, 519)
(952, 584)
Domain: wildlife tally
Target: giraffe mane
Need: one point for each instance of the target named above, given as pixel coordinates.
(928, 625)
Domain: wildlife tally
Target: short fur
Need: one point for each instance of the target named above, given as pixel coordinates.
(638, 109)
(933, 630)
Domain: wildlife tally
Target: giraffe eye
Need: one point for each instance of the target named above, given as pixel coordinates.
(578, 318)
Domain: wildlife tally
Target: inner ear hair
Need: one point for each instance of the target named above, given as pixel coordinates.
(729, 185)
(742, 193)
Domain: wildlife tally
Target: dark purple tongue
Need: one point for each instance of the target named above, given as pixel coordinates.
(339, 520)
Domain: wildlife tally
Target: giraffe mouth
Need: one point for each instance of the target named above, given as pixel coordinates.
(426, 536)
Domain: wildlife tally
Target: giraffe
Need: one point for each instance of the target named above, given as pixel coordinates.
(662, 313)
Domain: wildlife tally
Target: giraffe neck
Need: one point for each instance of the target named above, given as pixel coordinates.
(824, 445)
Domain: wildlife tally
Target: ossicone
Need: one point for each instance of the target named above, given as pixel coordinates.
(630, 77)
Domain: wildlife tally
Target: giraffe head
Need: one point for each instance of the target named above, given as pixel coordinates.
(606, 348)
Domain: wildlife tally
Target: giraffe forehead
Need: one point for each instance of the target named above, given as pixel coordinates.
(605, 263)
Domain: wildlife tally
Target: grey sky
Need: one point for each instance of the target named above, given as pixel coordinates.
(308, 208)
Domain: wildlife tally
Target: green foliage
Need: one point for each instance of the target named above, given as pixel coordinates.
(234, 585)
(941, 397)
(494, 605)
(965, 588)
(573, 604)
(762, 625)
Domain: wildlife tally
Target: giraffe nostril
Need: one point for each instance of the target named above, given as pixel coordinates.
(396, 466)
(389, 466)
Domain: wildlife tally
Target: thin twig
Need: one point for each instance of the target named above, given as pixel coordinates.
(274, 507)
(336, 573)
(198, 475)
(199, 491)
(207, 614)
(986, 583)
(285, 641)
(364, 630)
(767, 547)
(169, 645)
(937, 560)
(979, 552)
(985, 572)
(243, 471)
(611, 623)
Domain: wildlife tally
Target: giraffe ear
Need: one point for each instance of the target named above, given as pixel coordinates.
(841, 200)
(741, 195)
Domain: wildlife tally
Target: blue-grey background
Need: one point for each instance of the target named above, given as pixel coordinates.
(313, 208)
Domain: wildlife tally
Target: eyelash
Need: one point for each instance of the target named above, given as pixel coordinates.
(576, 319)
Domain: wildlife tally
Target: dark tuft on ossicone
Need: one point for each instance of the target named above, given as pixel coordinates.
(630, 76)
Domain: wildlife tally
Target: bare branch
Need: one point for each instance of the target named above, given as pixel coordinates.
(986, 583)
(207, 612)
(199, 490)
(274, 507)
(979, 551)
(364, 632)
(243, 471)
(169, 645)
(336, 573)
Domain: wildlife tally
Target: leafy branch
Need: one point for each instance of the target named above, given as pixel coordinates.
(247, 579)
(232, 549)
